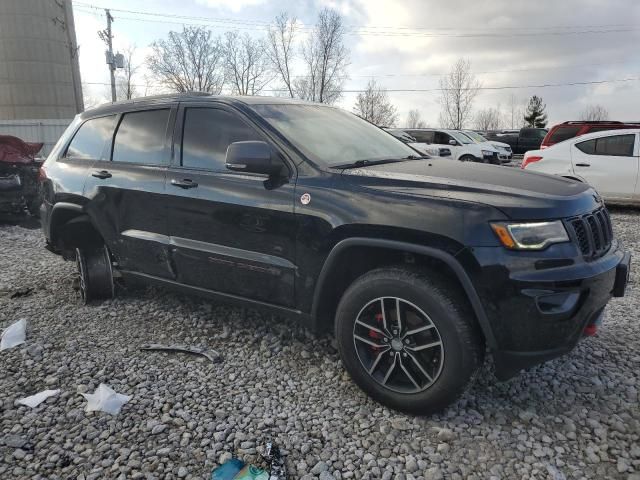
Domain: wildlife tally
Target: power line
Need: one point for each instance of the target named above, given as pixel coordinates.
(423, 90)
(400, 31)
(265, 23)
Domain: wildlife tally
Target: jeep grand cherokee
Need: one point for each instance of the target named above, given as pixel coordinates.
(417, 265)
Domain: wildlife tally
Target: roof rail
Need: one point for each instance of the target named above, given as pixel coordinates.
(581, 122)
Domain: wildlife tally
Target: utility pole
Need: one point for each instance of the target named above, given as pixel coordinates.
(112, 60)
(112, 63)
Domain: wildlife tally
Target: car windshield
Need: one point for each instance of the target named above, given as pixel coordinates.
(461, 137)
(475, 136)
(331, 136)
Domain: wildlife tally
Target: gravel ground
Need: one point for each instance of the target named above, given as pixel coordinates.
(575, 417)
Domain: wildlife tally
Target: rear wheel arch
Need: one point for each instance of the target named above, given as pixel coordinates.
(345, 264)
(71, 228)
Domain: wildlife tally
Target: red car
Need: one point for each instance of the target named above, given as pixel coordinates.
(567, 130)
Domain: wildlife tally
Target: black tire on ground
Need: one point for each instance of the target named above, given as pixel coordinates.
(96, 274)
(450, 366)
(467, 158)
(33, 205)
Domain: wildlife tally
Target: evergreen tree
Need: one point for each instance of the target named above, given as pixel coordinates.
(536, 115)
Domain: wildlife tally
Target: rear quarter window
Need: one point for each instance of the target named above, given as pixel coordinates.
(91, 140)
(561, 134)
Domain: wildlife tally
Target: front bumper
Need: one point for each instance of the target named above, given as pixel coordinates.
(539, 303)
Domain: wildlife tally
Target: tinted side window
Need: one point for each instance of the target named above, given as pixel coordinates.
(141, 136)
(441, 138)
(206, 135)
(588, 147)
(91, 139)
(564, 133)
(422, 137)
(617, 145)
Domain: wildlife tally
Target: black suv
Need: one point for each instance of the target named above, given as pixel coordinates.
(417, 265)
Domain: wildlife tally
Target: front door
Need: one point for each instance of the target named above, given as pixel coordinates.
(610, 164)
(126, 191)
(230, 232)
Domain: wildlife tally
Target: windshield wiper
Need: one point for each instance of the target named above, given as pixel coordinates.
(368, 163)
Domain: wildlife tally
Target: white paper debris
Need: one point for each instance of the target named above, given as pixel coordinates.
(105, 399)
(34, 400)
(14, 335)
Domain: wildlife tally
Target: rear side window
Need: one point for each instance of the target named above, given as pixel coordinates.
(92, 139)
(616, 145)
(422, 137)
(141, 138)
(206, 135)
(561, 134)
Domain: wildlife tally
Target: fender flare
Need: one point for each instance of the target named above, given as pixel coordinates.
(57, 209)
(447, 258)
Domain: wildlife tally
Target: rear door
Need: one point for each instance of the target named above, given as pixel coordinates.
(231, 232)
(608, 163)
(126, 191)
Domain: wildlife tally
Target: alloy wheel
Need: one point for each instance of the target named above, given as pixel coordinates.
(398, 345)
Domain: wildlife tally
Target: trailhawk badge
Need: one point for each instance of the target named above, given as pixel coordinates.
(305, 198)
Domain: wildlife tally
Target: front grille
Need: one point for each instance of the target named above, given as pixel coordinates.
(592, 233)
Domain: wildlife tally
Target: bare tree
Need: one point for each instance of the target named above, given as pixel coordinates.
(326, 58)
(189, 60)
(280, 49)
(459, 89)
(374, 106)
(246, 63)
(414, 119)
(515, 115)
(126, 89)
(488, 119)
(594, 113)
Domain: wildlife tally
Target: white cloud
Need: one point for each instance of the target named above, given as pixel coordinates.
(232, 5)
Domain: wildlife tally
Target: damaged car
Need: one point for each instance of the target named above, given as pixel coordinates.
(417, 266)
(19, 176)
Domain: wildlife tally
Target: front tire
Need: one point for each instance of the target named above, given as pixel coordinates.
(420, 361)
(95, 272)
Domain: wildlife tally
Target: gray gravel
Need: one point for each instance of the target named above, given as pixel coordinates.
(575, 417)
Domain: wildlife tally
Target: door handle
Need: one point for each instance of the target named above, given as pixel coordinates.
(102, 174)
(184, 183)
(583, 164)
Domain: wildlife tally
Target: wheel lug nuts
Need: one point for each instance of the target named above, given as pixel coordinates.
(406, 341)
(404, 354)
(385, 339)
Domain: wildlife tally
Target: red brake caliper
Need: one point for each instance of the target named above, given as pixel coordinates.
(375, 335)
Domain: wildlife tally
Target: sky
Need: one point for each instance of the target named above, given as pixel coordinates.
(410, 44)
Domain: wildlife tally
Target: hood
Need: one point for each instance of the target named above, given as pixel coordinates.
(519, 194)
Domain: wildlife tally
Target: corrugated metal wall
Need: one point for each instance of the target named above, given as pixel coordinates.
(39, 72)
(46, 131)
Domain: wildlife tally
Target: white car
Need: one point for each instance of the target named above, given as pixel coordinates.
(505, 154)
(423, 148)
(609, 161)
(462, 147)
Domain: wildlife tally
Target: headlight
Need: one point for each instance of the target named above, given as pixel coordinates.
(530, 236)
(487, 153)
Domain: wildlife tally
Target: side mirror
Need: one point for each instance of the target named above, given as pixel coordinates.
(253, 157)
(453, 142)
